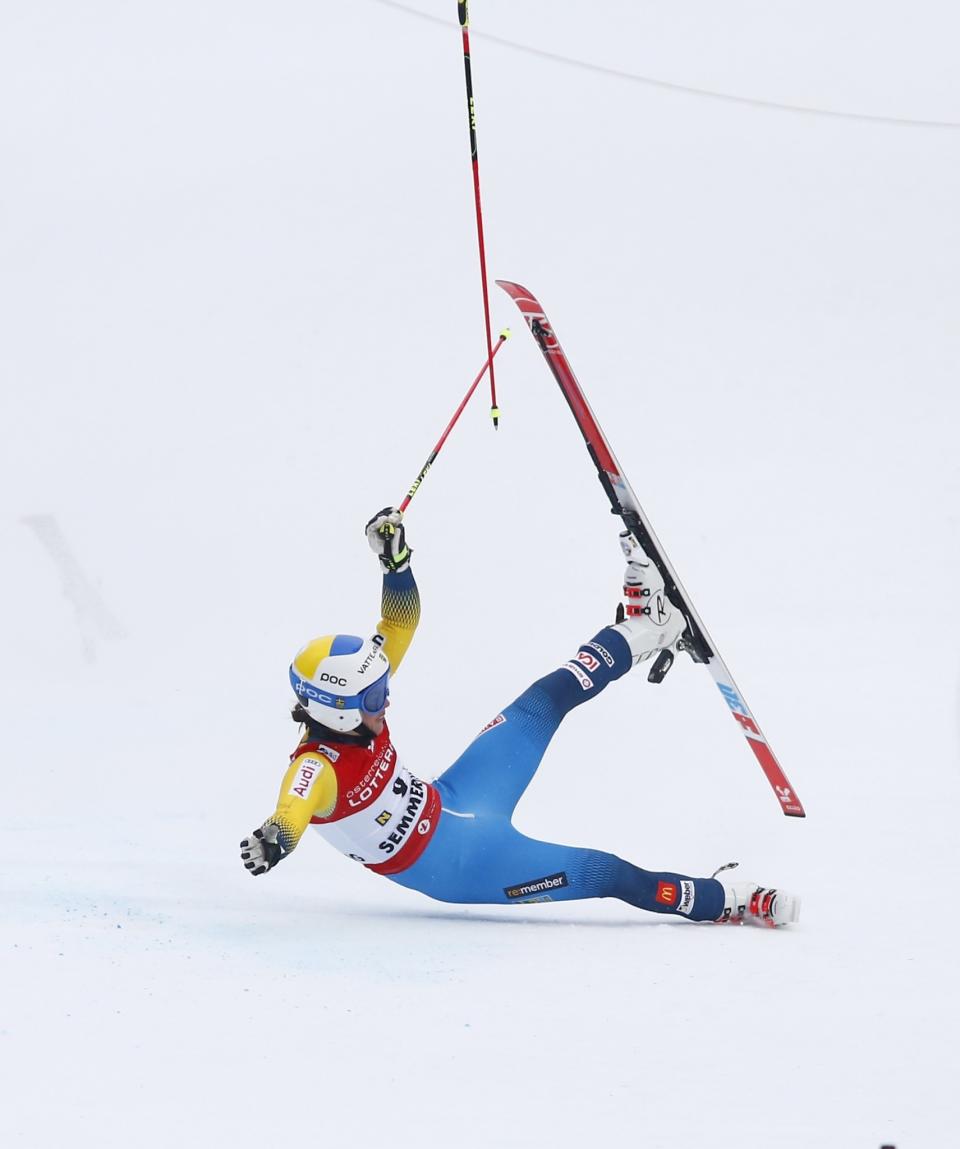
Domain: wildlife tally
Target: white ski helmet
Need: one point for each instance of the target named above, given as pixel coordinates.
(340, 677)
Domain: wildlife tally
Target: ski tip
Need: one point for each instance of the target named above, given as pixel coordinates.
(522, 296)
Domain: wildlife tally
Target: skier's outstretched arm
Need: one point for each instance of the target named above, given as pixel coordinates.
(309, 788)
(400, 600)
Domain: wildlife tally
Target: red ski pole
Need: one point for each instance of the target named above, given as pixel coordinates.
(504, 336)
(472, 118)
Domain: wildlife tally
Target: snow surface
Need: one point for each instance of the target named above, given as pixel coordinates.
(240, 301)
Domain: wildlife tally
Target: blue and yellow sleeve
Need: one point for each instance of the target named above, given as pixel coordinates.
(309, 789)
(400, 607)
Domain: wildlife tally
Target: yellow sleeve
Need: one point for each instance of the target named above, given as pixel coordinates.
(400, 607)
(309, 788)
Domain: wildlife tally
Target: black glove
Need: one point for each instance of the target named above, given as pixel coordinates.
(387, 540)
(261, 851)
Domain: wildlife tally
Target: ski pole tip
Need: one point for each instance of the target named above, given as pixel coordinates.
(495, 416)
(505, 333)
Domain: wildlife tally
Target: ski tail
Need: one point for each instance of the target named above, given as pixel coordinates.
(695, 641)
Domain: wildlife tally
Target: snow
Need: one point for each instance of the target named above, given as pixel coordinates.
(240, 296)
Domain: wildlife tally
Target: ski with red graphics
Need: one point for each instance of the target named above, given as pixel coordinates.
(695, 639)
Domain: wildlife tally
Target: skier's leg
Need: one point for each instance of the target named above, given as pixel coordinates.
(486, 860)
(492, 773)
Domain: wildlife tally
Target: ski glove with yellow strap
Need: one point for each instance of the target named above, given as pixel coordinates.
(387, 540)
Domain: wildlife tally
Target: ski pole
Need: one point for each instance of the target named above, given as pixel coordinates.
(504, 336)
(464, 16)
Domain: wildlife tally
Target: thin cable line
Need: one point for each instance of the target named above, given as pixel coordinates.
(667, 85)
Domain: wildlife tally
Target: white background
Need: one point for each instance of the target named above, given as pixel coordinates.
(240, 299)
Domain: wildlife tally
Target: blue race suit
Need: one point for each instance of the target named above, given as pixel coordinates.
(477, 855)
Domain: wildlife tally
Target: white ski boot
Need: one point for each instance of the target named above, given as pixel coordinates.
(748, 902)
(652, 622)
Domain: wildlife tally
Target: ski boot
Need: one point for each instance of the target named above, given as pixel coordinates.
(748, 902)
(650, 623)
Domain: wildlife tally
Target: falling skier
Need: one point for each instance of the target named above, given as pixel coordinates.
(453, 839)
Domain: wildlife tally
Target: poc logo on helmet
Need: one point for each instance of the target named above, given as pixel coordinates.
(341, 677)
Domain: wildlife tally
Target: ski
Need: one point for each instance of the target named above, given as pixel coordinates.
(695, 639)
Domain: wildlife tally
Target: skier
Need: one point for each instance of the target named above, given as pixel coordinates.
(453, 839)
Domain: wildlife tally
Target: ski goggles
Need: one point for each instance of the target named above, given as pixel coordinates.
(371, 700)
